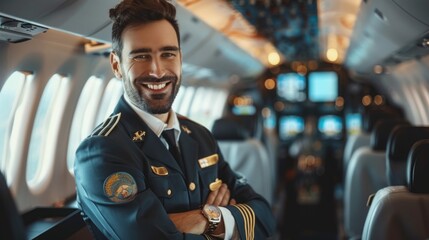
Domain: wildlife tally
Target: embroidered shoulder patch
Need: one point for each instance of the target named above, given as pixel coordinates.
(120, 187)
(107, 126)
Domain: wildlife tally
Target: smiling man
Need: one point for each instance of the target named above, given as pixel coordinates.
(147, 173)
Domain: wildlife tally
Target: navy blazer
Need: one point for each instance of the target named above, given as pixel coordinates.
(127, 181)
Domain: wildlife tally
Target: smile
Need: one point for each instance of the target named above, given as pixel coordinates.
(156, 86)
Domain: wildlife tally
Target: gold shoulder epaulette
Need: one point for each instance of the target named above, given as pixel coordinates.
(107, 126)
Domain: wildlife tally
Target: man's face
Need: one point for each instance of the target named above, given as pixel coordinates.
(150, 66)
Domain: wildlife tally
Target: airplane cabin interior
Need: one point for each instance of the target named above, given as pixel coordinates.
(320, 104)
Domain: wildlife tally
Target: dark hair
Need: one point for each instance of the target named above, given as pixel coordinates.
(134, 12)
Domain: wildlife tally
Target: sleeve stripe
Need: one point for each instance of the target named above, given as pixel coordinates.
(244, 219)
(208, 237)
(253, 221)
(249, 220)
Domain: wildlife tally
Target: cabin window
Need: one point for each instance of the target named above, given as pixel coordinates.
(86, 115)
(218, 106)
(207, 105)
(179, 98)
(11, 98)
(46, 132)
(188, 95)
(111, 95)
(196, 110)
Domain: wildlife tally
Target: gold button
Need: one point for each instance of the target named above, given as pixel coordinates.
(192, 186)
(169, 192)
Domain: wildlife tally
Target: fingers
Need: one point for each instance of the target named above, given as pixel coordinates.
(223, 195)
(211, 197)
(219, 197)
(232, 202)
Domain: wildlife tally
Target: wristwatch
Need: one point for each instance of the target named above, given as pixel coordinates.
(213, 215)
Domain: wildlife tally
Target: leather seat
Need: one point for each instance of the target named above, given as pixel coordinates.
(402, 212)
(399, 144)
(246, 155)
(366, 173)
(369, 120)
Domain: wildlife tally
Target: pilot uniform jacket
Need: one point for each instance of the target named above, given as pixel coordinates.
(127, 181)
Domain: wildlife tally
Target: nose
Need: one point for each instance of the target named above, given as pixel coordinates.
(156, 69)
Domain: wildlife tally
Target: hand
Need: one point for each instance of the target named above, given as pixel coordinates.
(189, 222)
(220, 197)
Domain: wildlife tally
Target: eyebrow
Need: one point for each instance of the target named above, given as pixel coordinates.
(148, 50)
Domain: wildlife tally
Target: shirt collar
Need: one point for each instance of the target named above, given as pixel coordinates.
(156, 125)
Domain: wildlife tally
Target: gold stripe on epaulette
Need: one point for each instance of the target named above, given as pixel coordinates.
(101, 126)
(249, 220)
(161, 171)
(208, 161)
(112, 122)
(107, 126)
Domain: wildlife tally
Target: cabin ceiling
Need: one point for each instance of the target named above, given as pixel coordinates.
(295, 30)
(292, 26)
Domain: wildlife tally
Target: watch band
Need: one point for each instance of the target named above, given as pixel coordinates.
(211, 227)
(213, 216)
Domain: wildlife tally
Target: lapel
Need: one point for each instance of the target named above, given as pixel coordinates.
(140, 133)
(189, 150)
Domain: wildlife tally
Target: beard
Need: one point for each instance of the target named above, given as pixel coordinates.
(149, 102)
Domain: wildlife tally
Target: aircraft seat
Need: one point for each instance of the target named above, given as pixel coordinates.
(366, 174)
(245, 155)
(402, 212)
(400, 142)
(369, 120)
(353, 143)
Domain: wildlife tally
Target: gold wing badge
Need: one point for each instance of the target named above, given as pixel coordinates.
(186, 129)
(138, 136)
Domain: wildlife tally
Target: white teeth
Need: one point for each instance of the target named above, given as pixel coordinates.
(156, 86)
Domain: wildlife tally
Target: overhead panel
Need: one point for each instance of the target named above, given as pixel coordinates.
(193, 32)
(416, 8)
(206, 47)
(15, 31)
(82, 17)
(382, 30)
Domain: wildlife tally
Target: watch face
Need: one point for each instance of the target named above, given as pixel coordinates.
(212, 211)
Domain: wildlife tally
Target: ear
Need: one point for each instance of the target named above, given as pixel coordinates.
(116, 65)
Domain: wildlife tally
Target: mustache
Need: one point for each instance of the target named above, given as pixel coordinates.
(146, 79)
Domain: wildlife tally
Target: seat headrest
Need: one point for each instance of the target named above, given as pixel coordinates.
(402, 139)
(382, 130)
(418, 167)
(228, 129)
(399, 145)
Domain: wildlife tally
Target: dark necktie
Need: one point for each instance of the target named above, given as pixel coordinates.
(168, 135)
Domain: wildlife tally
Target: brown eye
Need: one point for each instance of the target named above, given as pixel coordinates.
(140, 58)
(168, 55)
